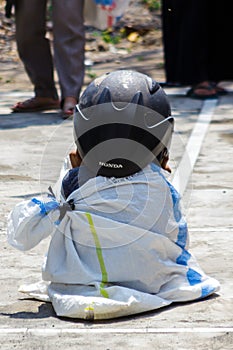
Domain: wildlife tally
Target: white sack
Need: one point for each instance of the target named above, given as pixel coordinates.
(122, 251)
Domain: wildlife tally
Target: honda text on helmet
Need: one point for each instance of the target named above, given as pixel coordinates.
(122, 123)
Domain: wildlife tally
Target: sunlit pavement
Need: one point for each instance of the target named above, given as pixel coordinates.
(32, 150)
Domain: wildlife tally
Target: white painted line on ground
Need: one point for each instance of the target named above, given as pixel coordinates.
(69, 331)
(186, 165)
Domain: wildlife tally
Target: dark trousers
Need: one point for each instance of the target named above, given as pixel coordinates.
(68, 45)
(197, 37)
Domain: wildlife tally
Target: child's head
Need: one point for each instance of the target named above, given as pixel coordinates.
(122, 123)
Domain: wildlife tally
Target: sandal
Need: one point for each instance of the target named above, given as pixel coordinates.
(220, 90)
(203, 91)
(68, 106)
(36, 104)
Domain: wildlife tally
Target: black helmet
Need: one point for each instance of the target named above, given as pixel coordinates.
(122, 123)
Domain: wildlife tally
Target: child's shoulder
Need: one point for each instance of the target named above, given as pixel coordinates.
(70, 182)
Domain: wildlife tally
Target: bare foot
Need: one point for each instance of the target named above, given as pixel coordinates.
(68, 106)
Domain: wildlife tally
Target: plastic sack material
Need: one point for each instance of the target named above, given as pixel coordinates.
(104, 14)
(117, 253)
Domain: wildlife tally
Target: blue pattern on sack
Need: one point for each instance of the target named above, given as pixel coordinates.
(182, 234)
(176, 202)
(104, 2)
(207, 290)
(193, 277)
(155, 168)
(183, 258)
(45, 207)
(183, 229)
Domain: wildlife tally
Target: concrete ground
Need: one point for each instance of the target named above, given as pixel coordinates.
(32, 149)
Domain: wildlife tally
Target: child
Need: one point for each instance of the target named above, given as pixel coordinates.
(119, 242)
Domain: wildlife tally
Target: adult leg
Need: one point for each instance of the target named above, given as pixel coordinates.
(33, 47)
(69, 40)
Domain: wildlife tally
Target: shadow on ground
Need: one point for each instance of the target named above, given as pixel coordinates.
(23, 120)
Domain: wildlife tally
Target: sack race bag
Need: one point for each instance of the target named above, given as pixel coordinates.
(122, 263)
(104, 14)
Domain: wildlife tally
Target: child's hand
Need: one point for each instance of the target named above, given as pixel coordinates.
(75, 159)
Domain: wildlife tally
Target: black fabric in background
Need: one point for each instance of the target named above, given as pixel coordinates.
(197, 37)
